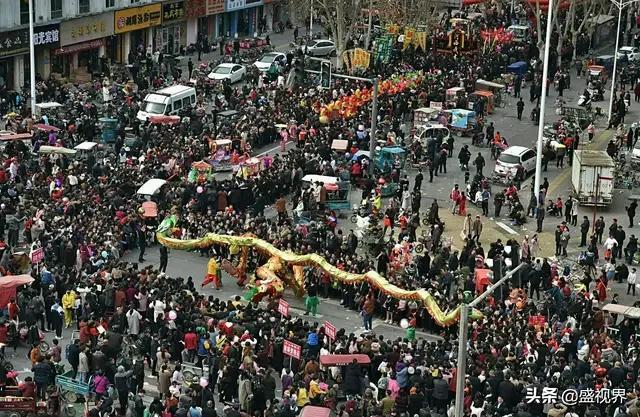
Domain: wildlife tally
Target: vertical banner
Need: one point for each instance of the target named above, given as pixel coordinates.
(409, 34)
(420, 41)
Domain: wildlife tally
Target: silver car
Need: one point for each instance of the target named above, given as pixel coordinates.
(321, 47)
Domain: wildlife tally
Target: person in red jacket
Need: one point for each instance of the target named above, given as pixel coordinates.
(191, 344)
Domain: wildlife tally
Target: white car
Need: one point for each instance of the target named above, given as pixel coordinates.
(266, 60)
(320, 47)
(513, 156)
(631, 52)
(231, 72)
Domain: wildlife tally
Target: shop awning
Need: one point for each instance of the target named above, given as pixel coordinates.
(79, 47)
(471, 2)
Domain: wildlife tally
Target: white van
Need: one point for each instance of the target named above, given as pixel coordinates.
(167, 101)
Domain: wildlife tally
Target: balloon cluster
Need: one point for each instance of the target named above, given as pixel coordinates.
(348, 106)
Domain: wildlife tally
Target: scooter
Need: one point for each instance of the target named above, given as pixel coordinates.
(584, 102)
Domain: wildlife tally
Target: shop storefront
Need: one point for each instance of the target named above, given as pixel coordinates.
(274, 13)
(134, 28)
(14, 54)
(83, 42)
(173, 34)
(205, 17)
(243, 16)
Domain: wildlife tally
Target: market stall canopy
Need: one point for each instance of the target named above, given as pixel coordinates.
(151, 187)
(48, 105)
(315, 411)
(45, 128)
(324, 179)
(164, 120)
(8, 285)
(86, 146)
(57, 150)
(342, 360)
(361, 154)
(519, 68)
(200, 165)
(7, 136)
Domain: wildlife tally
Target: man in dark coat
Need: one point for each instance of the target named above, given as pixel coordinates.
(352, 378)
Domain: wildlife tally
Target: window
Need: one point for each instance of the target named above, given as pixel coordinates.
(177, 105)
(135, 1)
(84, 6)
(56, 9)
(109, 3)
(24, 12)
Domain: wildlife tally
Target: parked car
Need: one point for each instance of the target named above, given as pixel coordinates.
(631, 52)
(513, 156)
(266, 60)
(321, 47)
(231, 72)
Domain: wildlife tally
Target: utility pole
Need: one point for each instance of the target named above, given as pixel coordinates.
(311, 21)
(32, 63)
(374, 126)
(463, 335)
(543, 102)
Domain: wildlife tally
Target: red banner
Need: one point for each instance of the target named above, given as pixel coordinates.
(291, 349)
(330, 330)
(283, 307)
(37, 256)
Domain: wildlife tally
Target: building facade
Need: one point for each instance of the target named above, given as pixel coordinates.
(72, 35)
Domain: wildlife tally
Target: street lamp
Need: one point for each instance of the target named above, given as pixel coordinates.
(620, 5)
(543, 101)
(464, 333)
(32, 61)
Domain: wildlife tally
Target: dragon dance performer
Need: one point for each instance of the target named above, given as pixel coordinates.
(213, 274)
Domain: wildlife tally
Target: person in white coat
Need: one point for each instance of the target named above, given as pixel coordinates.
(632, 280)
(133, 321)
(83, 366)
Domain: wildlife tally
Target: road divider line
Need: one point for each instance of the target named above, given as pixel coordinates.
(507, 228)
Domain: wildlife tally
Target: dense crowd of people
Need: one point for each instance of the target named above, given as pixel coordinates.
(132, 319)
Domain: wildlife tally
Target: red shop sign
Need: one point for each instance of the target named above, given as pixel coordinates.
(283, 307)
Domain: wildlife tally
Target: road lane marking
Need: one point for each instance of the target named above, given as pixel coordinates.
(507, 228)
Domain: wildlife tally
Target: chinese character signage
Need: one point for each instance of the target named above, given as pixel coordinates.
(215, 6)
(199, 8)
(86, 29)
(172, 12)
(236, 4)
(291, 349)
(283, 307)
(17, 41)
(137, 18)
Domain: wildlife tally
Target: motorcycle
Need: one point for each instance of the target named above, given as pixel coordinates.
(584, 102)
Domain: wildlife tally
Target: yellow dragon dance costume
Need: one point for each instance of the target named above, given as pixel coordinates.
(285, 267)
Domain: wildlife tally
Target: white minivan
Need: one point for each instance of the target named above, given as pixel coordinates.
(168, 101)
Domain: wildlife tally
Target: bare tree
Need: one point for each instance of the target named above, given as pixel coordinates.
(339, 17)
(589, 19)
